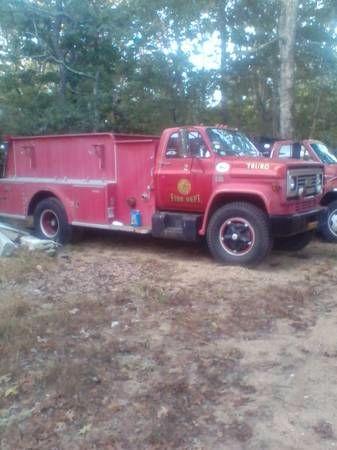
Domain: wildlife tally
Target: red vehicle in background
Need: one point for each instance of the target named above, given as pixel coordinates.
(188, 183)
(312, 150)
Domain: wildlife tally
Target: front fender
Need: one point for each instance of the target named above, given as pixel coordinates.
(222, 196)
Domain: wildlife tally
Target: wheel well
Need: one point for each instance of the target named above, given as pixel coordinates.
(223, 199)
(37, 198)
(328, 198)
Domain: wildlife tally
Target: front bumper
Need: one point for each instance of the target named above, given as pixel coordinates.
(296, 223)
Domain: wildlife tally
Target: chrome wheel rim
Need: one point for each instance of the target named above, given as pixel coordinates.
(332, 222)
(49, 223)
(237, 236)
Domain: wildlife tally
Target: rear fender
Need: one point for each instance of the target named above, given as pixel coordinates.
(47, 193)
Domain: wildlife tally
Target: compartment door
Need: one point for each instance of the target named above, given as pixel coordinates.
(90, 204)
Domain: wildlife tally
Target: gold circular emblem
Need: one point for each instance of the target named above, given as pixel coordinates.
(184, 186)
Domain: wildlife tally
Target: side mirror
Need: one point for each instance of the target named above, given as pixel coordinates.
(171, 153)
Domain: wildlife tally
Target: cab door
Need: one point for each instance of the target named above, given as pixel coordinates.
(184, 178)
(174, 179)
(202, 169)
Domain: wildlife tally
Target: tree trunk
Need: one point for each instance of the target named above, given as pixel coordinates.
(287, 35)
(56, 30)
(95, 102)
(315, 115)
(223, 82)
(275, 109)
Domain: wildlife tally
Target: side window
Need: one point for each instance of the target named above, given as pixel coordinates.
(285, 151)
(174, 147)
(196, 146)
(305, 155)
(294, 151)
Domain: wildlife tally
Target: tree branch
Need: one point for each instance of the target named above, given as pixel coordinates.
(70, 69)
(57, 60)
(261, 47)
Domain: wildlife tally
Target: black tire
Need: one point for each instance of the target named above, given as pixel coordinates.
(328, 225)
(293, 243)
(239, 234)
(51, 221)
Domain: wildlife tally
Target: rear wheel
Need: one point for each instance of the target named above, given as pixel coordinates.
(328, 226)
(51, 222)
(293, 243)
(238, 233)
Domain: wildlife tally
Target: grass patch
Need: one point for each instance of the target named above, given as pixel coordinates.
(15, 325)
(21, 264)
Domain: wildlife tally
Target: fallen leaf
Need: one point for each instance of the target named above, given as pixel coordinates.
(70, 415)
(84, 430)
(11, 392)
(5, 379)
(114, 407)
(60, 426)
(162, 412)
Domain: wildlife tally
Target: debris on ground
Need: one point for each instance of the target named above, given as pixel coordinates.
(12, 232)
(34, 243)
(12, 238)
(7, 246)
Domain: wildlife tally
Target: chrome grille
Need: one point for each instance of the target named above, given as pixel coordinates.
(308, 182)
(305, 182)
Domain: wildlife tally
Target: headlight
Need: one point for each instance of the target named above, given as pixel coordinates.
(292, 183)
(319, 182)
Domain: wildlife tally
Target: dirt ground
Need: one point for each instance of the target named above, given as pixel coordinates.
(131, 343)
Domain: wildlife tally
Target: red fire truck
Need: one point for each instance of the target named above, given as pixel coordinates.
(312, 150)
(190, 182)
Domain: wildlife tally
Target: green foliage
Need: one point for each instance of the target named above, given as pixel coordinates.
(84, 65)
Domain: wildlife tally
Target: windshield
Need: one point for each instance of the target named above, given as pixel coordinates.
(323, 153)
(231, 143)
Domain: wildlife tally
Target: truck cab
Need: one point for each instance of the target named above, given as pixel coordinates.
(316, 151)
(191, 182)
(205, 175)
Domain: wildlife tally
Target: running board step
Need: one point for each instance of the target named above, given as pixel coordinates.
(179, 226)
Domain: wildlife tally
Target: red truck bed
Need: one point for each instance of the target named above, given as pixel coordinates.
(95, 175)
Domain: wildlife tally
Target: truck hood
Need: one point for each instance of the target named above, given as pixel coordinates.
(261, 167)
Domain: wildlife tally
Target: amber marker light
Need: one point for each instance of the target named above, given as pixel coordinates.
(276, 187)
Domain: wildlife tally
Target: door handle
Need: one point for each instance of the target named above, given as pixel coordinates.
(166, 163)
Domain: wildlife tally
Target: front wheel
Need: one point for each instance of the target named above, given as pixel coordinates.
(239, 233)
(51, 222)
(328, 225)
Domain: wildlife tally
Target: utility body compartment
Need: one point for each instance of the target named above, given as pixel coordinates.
(98, 177)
